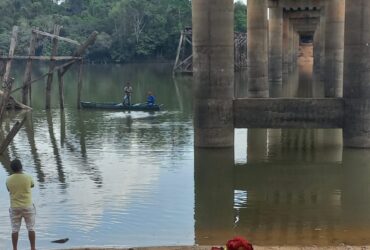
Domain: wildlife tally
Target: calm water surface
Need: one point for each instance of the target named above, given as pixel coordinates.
(134, 179)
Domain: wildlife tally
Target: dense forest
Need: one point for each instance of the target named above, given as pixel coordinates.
(129, 30)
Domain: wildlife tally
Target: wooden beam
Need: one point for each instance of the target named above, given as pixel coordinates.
(27, 72)
(46, 74)
(7, 81)
(78, 53)
(51, 68)
(53, 36)
(13, 132)
(178, 51)
(13, 43)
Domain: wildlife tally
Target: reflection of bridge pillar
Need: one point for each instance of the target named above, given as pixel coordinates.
(257, 48)
(357, 74)
(257, 145)
(214, 196)
(213, 72)
(276, 45)
(334, 46)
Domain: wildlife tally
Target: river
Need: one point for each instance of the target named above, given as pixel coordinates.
(134, 179)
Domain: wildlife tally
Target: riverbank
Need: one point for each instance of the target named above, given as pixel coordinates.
(340, 247)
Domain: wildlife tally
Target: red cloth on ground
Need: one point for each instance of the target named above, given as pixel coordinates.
(239, 243)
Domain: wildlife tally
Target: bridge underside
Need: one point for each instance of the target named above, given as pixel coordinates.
(272, 50)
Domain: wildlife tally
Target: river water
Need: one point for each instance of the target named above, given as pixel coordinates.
(134, 179)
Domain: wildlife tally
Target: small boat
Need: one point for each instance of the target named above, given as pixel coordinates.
(120, 106)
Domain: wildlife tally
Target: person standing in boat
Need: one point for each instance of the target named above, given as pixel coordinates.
(150, 100)
(127, 91)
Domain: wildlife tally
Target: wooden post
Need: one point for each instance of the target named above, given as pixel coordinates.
(51, 67)
(7, 81)
(61, 89)
(13, 132)
(13, 43)
(27, 73)
(178, 51)
(79, 85)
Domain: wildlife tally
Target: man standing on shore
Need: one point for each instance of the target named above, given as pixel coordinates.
(19, 186)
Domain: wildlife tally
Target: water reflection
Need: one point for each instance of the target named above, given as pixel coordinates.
(134, 179)
(320, 196)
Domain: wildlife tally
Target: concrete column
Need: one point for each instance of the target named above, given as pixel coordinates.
(316, 50)
(334, 46)
(257, 48)
(276, 45)
(356, 130)
(213, 72)
(322, 41)
(291, 46)
(285, 44)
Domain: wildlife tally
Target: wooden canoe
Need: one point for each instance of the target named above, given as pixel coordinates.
(120, 106)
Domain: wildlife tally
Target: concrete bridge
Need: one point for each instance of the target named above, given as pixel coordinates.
(341, 40)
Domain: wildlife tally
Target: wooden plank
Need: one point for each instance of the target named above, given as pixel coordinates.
(53, 36)
(27, 72)
(13, 132)
(49, 80)
(41, 58)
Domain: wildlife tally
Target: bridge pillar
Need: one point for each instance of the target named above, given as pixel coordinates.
(334, 46)
(322, 28)
(276, 45)
(291, 46)
(356, 130)
(316, 50)
(257, 60)
(213, 72)
(286, 44)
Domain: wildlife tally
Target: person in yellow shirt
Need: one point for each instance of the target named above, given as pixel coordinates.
(19, 186)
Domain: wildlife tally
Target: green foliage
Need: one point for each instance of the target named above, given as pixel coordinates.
(240, 17)
(129, 30)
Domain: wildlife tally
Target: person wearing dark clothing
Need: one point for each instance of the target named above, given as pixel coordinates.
(150, 100)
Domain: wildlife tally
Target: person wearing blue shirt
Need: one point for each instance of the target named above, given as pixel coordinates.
(150, 100)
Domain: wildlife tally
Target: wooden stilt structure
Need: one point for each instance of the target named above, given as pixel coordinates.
(184, 57)
(7, 101)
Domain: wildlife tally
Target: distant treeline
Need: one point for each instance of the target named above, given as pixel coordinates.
(129, 30)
